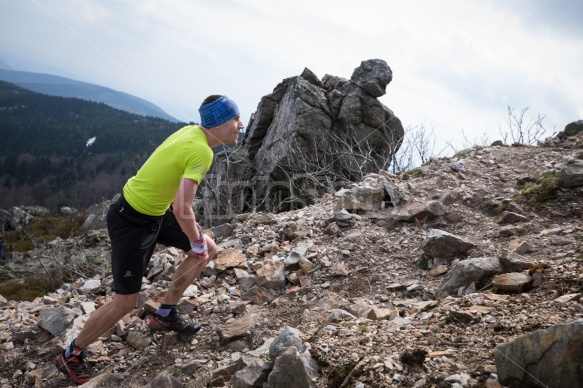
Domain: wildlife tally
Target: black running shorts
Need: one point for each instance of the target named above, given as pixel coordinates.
(133, 238)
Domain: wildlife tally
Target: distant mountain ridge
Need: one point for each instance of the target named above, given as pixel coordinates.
(65, 87)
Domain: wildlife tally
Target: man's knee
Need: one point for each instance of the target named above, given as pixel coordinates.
(124, 304)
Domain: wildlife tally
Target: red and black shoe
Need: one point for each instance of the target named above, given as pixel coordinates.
(173, 322)
(74, 367)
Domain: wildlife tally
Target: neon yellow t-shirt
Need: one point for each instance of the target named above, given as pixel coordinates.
(184, 154)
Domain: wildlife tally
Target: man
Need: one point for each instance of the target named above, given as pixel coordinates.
(143, 217)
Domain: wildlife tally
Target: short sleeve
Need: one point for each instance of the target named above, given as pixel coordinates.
(198, 162)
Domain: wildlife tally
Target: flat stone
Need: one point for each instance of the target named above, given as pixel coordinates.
(550, 232)
(441, 353)
(419, 211)
(523, 248)
(235, 330)
(229, 258)
(511, 230)
(378, 314)
(338, 315)
(360, 310)
(510, 217)
(568, 298)
(90, 286)
(513, 282)
(562, 241)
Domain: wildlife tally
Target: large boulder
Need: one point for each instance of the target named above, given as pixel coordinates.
(439, 243)
(572, 173)
(307, 137)
(465, 272)
(20, 216)
(574, 128)
(96, 219)
(545, 358)
(293, 369)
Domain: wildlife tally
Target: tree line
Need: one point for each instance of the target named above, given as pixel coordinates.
(45, 157)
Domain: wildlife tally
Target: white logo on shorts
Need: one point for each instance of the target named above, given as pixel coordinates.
(128, 274)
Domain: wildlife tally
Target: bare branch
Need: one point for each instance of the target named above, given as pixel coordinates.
(521, 129)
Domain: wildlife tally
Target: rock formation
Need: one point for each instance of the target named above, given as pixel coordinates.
(307, 137)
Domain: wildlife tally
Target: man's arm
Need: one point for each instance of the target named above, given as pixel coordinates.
(182, 208)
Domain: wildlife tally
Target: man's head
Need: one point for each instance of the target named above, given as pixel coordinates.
(216, 110)
(220, 119)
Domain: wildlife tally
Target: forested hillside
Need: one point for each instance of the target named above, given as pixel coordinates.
(57, 151)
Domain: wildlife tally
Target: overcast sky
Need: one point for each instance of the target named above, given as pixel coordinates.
(456, 64)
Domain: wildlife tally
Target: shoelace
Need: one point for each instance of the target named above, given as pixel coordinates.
(78, 365)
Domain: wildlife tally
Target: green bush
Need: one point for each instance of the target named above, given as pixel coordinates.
(412, 173)
(542, 191)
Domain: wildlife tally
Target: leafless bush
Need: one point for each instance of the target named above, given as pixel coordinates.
(521, 129)
(417, 148)
(325, 165)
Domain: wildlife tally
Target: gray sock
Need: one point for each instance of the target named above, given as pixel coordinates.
(165, 309)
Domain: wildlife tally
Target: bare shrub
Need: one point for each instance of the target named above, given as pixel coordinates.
(417, 148)
(326, 165)
(522, 129)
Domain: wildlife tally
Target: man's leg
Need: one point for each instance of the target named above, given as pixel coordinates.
(188, 270)
(167, 318)
(72, 361)
(104, 318)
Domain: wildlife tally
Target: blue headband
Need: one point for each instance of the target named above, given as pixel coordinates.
(218, 112)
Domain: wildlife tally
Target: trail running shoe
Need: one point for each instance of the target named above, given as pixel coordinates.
(173, 322)
(74, 367)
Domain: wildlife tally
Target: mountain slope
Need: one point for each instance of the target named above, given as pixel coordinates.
(65, 87)
(367, 308)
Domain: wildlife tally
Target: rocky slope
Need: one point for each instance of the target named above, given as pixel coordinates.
(413, 287)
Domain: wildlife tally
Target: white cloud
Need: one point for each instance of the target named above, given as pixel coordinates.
(456, 64)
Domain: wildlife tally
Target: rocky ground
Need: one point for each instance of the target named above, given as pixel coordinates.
(375, 303)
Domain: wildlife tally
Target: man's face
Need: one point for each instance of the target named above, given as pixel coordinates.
(228, 132)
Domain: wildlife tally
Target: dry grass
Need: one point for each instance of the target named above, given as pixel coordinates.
(44, 229)
(31, 286)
